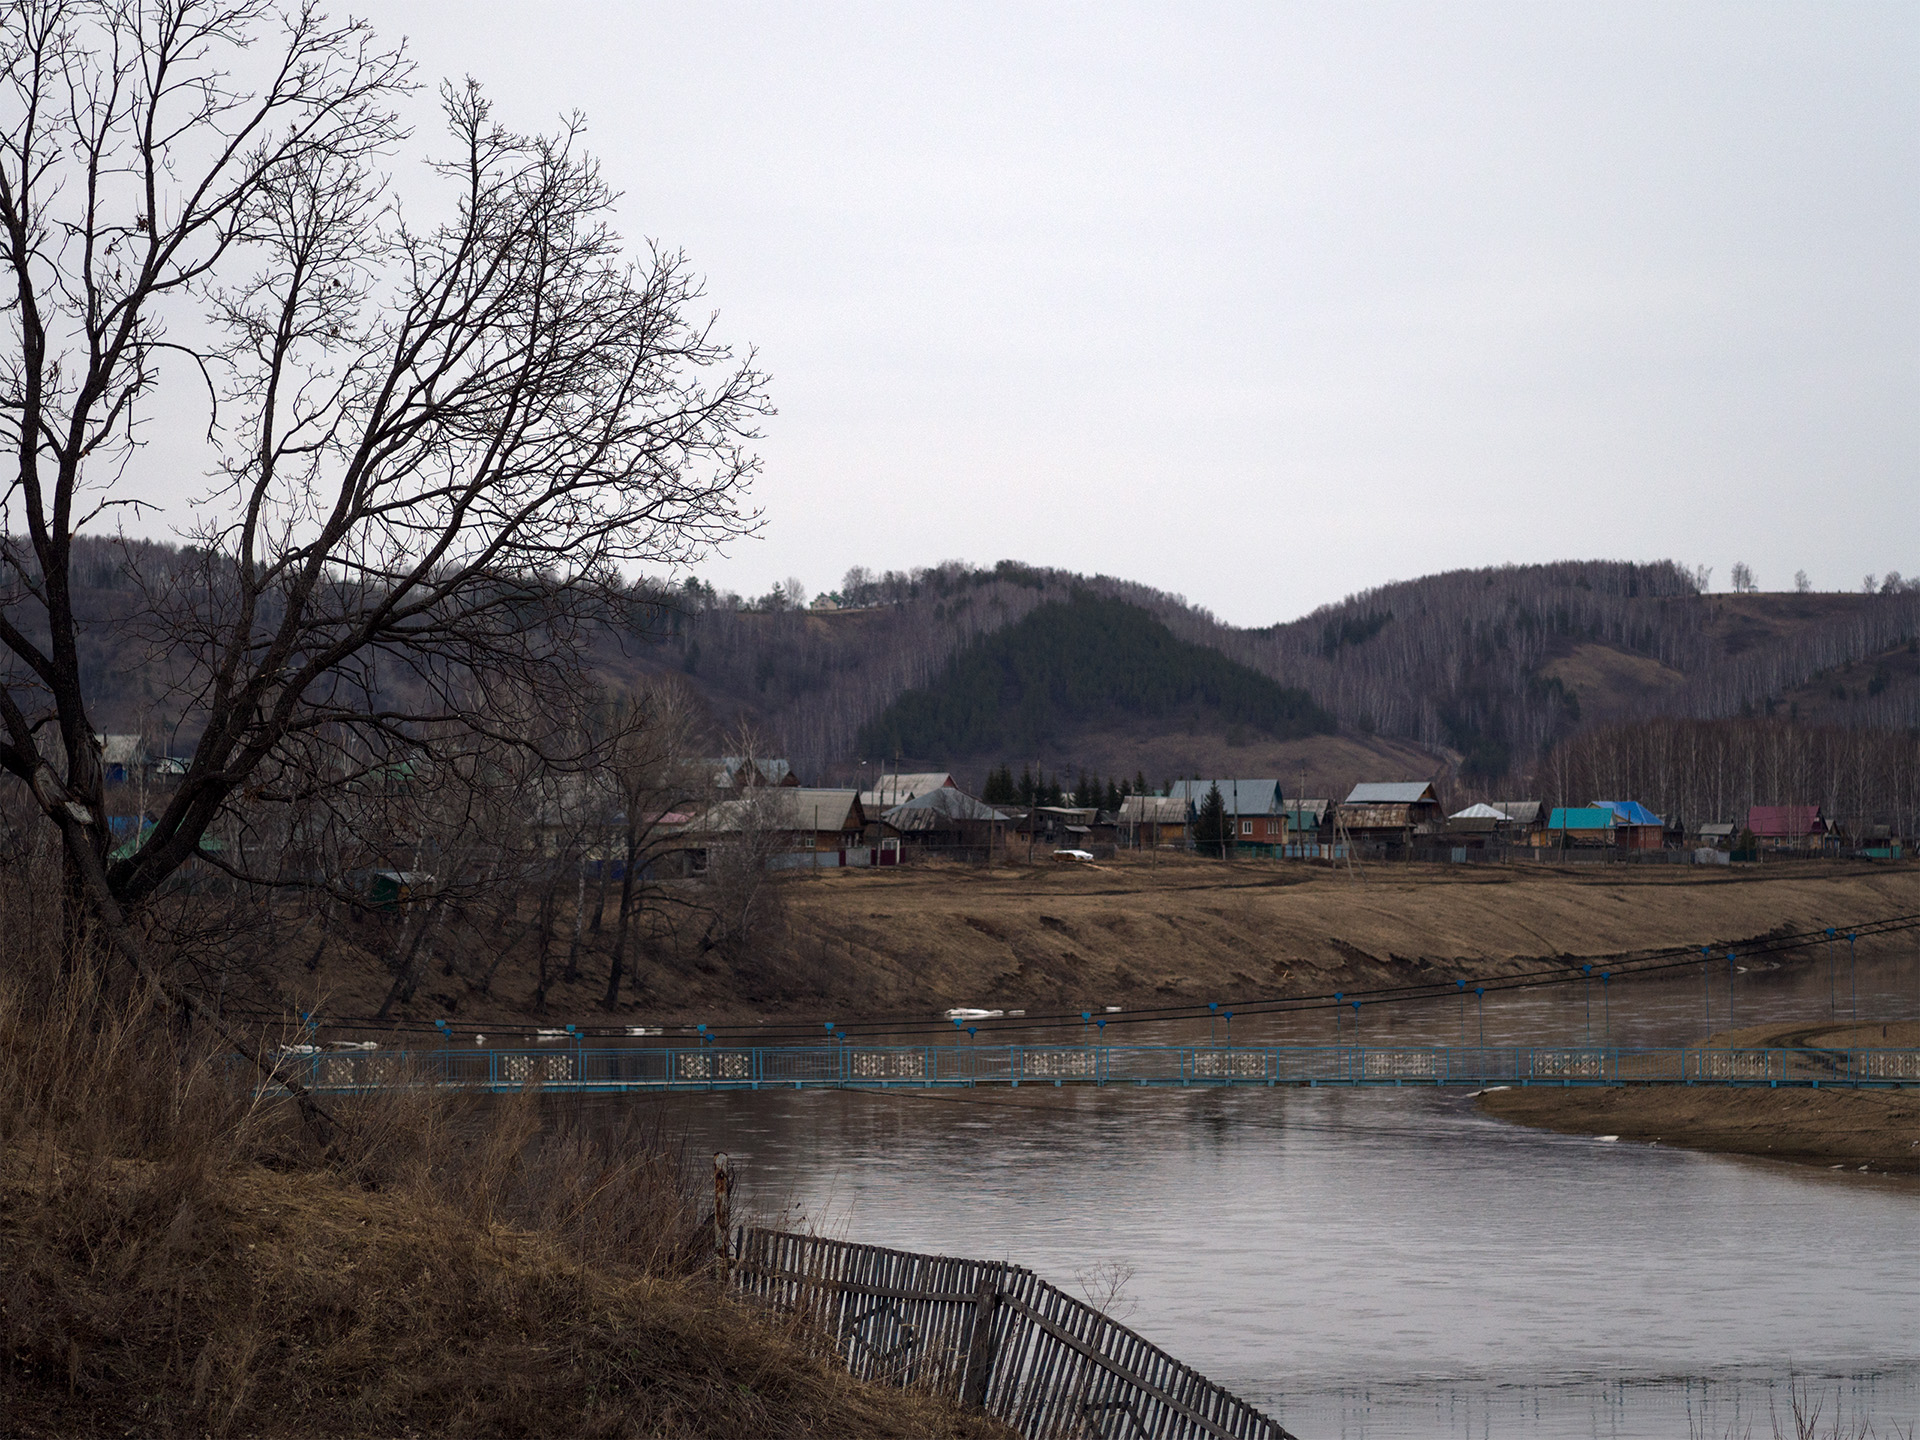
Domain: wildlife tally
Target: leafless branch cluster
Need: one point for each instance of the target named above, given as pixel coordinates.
(434, 443)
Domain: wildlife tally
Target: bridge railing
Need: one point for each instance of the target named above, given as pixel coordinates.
(845, 1065)
(996, 1336)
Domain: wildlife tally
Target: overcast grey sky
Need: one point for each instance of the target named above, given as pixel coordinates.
(1266, 303)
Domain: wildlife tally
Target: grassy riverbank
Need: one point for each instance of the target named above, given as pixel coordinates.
(1136, 931)
(179, 1262)
(1875, 1130)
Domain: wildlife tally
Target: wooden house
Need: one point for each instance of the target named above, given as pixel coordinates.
(1580, 827)
(945, 820)
(1788, 827)
(1255, 810)
(1147, 820)
(891, 790)
(1393, 813)
(1634, 826)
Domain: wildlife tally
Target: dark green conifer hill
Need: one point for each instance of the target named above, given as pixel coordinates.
(1085, 662)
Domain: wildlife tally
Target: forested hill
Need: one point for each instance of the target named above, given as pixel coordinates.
(1493, 667)
(1087, 662)
(1488, 670)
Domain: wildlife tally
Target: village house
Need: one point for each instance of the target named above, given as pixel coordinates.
(1634, 826)
(1794, 828)
(1151, 820)
(1069, 826)
(946, 821)
(1394, 814)
(1582, 827)
(891, 790)
(1309, 829)
(786, 821)
(747, 772)
(1476, 827)
(1255, 811)
(122, 758)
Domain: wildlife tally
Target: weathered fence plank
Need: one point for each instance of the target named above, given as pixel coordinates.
(994, 1335)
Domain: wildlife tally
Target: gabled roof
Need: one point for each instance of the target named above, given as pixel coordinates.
(730, 771)
(1628, 812)
(787, 807)
(1397, 792)
(1775, 822)
(1482, 811)
(1153, 810)
(1520, 812)
(120, 749)
(940, 809)
(1242, 797)
(1581, 817)
(891, 790)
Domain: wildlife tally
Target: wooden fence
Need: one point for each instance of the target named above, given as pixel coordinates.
(996, 1335)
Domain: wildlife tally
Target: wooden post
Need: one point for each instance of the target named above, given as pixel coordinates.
(722, 1217)
(980, 1345)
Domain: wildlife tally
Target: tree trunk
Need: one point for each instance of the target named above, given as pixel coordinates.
(572, 972)
(625, 917)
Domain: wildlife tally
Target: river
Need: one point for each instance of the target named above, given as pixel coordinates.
(1377, 1264)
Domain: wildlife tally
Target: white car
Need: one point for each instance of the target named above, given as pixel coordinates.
(1073, 855)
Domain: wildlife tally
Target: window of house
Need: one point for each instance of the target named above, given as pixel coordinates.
(1246, 827)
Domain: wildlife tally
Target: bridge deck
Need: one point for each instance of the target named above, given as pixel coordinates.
(854, 1066)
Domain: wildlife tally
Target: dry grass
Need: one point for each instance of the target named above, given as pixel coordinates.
(1876, 1130)
(180, 1258)
(1147, 930)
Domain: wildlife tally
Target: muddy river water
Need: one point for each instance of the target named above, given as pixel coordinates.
(1387, 1263)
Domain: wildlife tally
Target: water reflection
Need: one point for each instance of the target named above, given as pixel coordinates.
(1382, 1264)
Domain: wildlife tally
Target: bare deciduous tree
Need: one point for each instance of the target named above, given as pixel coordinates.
(433, 446)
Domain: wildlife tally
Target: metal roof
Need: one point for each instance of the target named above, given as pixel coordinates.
(1628, 812)
(785, 807)
(890, 790)
(1242, 797)
(1482, 811)
(1581, 817)
(1396, 792)
(1521, 812)
(926, 812)
(1153, 810)
(1775, 822)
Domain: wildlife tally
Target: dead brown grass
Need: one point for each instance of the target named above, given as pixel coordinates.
(180, 1258)
(1876, 1130)
(1142, 930)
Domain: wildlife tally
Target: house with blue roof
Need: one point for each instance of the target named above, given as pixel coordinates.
(1634, 826)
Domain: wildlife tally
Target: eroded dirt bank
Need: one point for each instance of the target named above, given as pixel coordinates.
(1133, 932)
(1876, 1130)
(911, 942)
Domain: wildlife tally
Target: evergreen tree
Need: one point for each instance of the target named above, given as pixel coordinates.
(1139, 782)
(1027, 788)
(999, 789)
(1113, 796)
(1086, 792)
(1055, 795)
(1085, 661)
(1210, 827)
